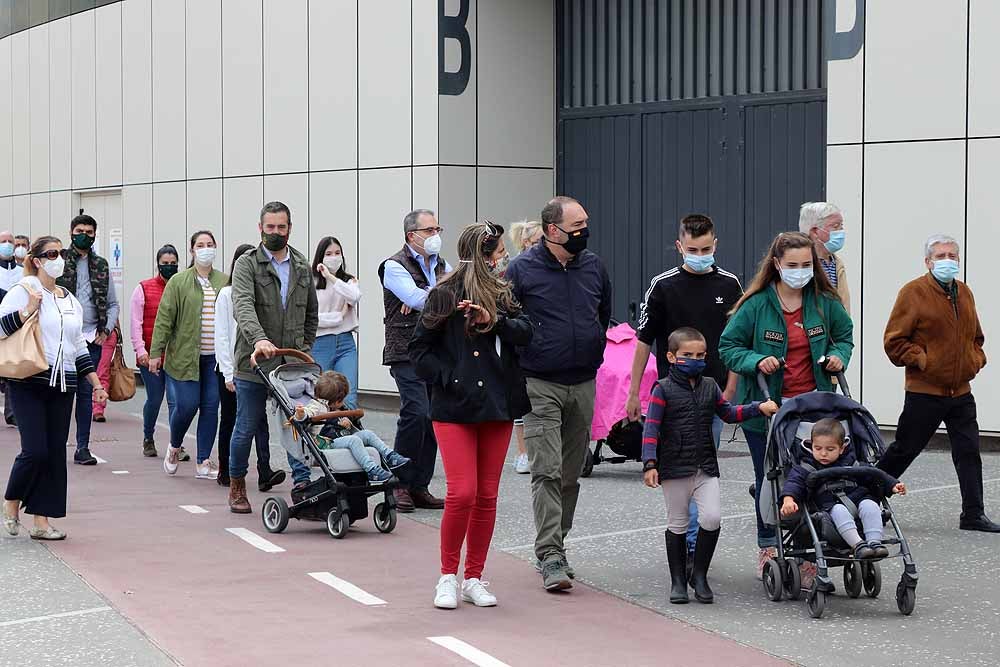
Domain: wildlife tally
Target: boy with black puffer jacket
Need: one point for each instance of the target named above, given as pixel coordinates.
(678, 449)
(829, 448)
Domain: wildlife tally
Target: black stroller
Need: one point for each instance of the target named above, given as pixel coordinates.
(340, 496)
(810, 535)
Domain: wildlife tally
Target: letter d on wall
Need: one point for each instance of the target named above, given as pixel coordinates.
(454, 27)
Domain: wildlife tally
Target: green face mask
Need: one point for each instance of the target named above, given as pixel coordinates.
(274, 242)
(83, 241)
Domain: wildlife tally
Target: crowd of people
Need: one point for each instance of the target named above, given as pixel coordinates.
(488, 347)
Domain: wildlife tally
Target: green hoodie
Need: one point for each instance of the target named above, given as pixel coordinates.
(178, 324)
(757, 331)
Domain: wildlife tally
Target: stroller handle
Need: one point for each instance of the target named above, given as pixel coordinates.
(284, 352)
(841, 378)
(337, 414)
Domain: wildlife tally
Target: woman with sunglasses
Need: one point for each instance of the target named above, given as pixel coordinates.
(337, 291)
(465, 346)
(43, 403)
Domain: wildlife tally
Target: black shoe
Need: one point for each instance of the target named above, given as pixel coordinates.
(704, 549)
(223, 478)
(267, 479)
(677, 552)
(183, 456)
(11, 421)
(83, 457)
(149, 448)
(980, 523)
(879, 550)
(100, 419)
(863, 551)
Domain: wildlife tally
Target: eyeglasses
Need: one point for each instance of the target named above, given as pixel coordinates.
(50, 254)
(432, 230)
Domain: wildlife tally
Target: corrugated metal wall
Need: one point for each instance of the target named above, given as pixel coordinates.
(631, 51)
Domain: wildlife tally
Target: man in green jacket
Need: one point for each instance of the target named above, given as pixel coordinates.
(274, 300)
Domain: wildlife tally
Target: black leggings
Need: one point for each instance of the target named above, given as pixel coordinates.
(227, 422)
(38, 476)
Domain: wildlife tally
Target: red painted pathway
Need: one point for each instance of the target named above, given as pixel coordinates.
(208, 598)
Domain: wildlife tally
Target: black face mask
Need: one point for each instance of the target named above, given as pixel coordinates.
(167, 271)
(577, 241)
(274, 242)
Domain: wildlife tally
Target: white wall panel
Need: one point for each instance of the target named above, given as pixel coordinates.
(457, 113)
(84, 103)
(138, 249)
(915, 73)
(516, 81)
(6, 124)
(984, 54)
(506, 195)
(333, 211)
(845, 87)
(286, 85)
(911, 190)
(109, 94)
(241, 203)
(21, 111)
(980, 270)
(456, 203)
(169, 132)
(293, 190)
(21, 214)
(60, 105)
(384, 198)
(384, 69)
(61, 212)
(40, 224)
(137, 92)
(204, 211)
(170, 217)
(333, 84)
(425, 82)
(242, 88)
(425, 188)
(38, 50)
(7, 212)
(204, 88)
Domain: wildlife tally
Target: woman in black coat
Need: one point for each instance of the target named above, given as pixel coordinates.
(465, 347)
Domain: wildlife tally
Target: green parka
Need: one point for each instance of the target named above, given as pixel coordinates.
(177, 332)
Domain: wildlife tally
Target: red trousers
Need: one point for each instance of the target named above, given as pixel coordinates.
(473, 456)
(104, 368)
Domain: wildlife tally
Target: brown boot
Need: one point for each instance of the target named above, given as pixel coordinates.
(238, 503)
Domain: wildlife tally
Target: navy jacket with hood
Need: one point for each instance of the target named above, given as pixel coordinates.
(569, 308)
(795, 485)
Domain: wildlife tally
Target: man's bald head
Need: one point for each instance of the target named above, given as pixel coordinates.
(6, 236)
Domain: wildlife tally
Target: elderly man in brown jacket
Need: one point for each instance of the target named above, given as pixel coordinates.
(934, 333)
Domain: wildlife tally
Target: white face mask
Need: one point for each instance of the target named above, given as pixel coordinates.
(20, 252)
(204, 256)
(333, 262)
(54, 267)
(433, 245)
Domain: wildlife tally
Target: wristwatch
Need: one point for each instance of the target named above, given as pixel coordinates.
(649, 465)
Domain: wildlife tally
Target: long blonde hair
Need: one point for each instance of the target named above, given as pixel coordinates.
(522, 231)
(768, 274)
(474, 279)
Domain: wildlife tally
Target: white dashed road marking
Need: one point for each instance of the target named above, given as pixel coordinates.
(119, 472)
(255, 540)
(65, 614)
(193, 509)
(347, 588)
(467, 651)
(99, 459)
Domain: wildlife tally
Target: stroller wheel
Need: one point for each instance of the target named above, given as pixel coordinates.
(816, 601)
(871, 575)
(906, 598)
(773, 581)
(337, 523)
(275, 514)
(853, 578)
(793, 579)
(384, 518)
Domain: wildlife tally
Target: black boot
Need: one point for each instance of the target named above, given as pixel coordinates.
(704, 549)
(676, 559)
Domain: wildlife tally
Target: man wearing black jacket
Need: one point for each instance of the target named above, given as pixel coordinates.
(566, 292)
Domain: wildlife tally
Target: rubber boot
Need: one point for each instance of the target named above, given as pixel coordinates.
(676, 560)
(704, 549)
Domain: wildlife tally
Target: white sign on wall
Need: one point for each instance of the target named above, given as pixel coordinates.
(116, 259)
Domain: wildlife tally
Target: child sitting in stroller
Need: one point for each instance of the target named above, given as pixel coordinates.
(330, 391)
(829, 447)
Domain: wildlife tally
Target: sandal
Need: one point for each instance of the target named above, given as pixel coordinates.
(11, 524)
(47, 534)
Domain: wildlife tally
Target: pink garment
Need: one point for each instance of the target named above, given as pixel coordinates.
(135, 321)
(104, 368)
(614, 377)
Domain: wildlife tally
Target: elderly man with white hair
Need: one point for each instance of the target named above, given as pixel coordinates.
(10, 274)
(934, 333)
(824, 224)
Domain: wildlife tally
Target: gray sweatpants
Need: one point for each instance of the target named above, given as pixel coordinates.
(871, 520)
(557, 437)
(700, 488)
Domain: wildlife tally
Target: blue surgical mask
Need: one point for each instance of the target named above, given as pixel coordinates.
(796, 278)
(6, 249)
(836, 241)
(945, 270)
(690, 367)
(699, 263)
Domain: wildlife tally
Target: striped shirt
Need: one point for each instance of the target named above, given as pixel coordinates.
(830, 268)
(207, 316)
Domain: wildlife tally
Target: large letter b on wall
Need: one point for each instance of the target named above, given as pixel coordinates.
(454, 27)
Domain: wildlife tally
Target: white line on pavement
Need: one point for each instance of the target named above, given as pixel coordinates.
(119, 472)
(99, 459)
(65, 614)
(949, 486)
(467, 651)
(347, 588)
(253, 539)
(193, 509)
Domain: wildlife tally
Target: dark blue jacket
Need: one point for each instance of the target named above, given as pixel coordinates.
(795, 485)
(569, 308)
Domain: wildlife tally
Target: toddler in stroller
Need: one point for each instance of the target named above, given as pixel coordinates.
(330, 391)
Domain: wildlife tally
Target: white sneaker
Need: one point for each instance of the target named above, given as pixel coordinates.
(446, 593)
(474, 591)
(207, 469)
(521, 464)
(170, 460)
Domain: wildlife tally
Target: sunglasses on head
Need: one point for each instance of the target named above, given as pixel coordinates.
(49, 254)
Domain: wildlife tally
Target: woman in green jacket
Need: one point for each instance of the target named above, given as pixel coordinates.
(184, 335)
(790, 311)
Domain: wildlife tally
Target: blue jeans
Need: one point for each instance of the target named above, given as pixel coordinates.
(339, 352)
(155, 389)
(357, 442)
(201, 396)
(85, 402)
(757, 442)
(692, 534)
(251, 417)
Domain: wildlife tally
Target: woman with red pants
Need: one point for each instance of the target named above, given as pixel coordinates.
(464, 345)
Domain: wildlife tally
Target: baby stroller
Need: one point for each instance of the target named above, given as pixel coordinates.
(340, 495)
(811, 535)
